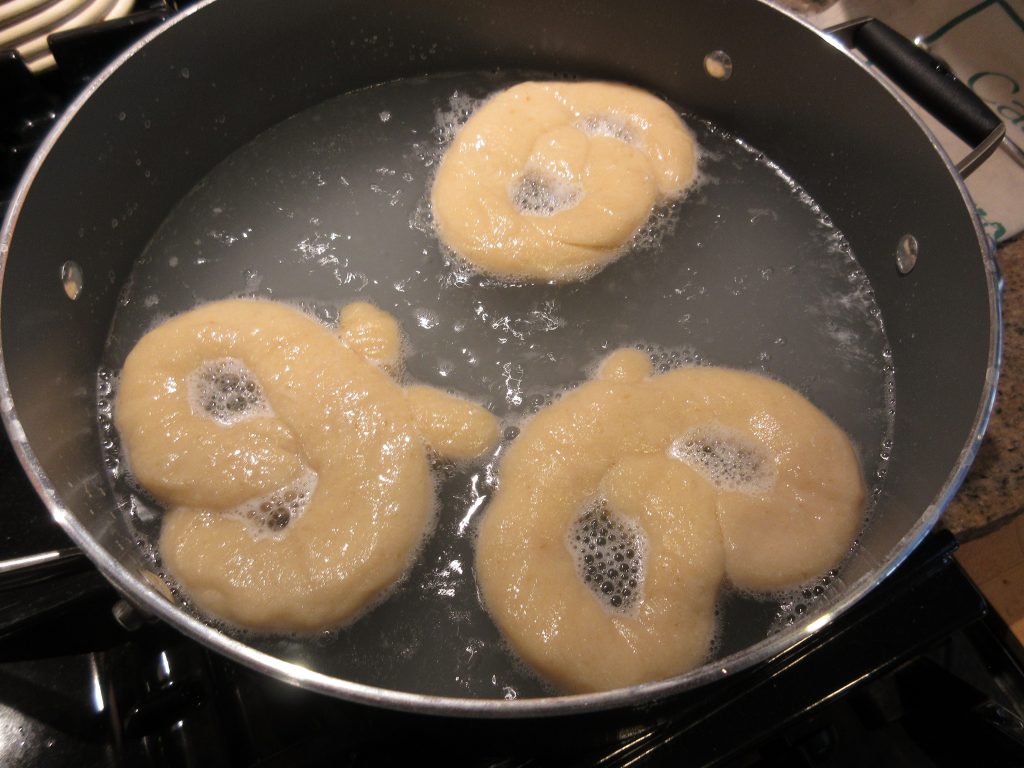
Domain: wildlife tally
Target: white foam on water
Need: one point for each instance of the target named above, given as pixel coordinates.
(726, 458)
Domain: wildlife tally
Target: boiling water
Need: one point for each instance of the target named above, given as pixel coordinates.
(331, 206)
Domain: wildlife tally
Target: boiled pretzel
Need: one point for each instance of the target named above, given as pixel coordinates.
(307, 505)
(719, 473)
(550, 180)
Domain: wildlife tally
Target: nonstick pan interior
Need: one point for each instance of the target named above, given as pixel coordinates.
(332, 206)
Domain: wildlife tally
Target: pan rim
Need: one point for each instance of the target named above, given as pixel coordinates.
(149, 600)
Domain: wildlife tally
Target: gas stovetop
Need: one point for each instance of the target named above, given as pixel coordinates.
(916, 674)
(919, 673)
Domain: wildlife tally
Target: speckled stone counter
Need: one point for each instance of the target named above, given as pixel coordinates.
(993, 492)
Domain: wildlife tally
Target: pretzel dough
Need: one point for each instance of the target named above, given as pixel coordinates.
(726, 473)
(794, 509)
(551, 180)
(325, 456)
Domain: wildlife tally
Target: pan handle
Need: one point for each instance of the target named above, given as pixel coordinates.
(37, 585)
(37, 567)
(930, 83)
(47, 583)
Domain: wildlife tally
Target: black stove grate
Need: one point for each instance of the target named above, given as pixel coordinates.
(909, 676)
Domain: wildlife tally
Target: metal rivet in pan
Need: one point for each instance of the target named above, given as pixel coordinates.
(906, 254)
(127, 616)
(72, 279)
(718, 64)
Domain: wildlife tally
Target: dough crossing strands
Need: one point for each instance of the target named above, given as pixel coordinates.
(550, 181)
(324, 549)
(786, 509)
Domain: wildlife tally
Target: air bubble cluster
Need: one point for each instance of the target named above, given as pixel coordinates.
(609, 556)
(538, 401)
(801, 603)
(273, 513)
(666, 359)
(447, 123)
(539, 196)
(106, 386)
(728, 459)
(606, 125)
(227, 392)
(660, 224)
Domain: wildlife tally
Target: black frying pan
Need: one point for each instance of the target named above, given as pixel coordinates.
(109, 231)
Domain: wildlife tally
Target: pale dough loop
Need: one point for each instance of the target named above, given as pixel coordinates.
(611, 439)
(334, 414)
(599, 157)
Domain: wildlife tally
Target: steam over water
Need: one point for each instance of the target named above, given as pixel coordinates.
(332, 206)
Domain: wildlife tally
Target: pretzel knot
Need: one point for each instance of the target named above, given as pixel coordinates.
(551, 180)
(625, 505)
(294, 470)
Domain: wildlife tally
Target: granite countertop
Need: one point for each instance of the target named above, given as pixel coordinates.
(993, 492)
